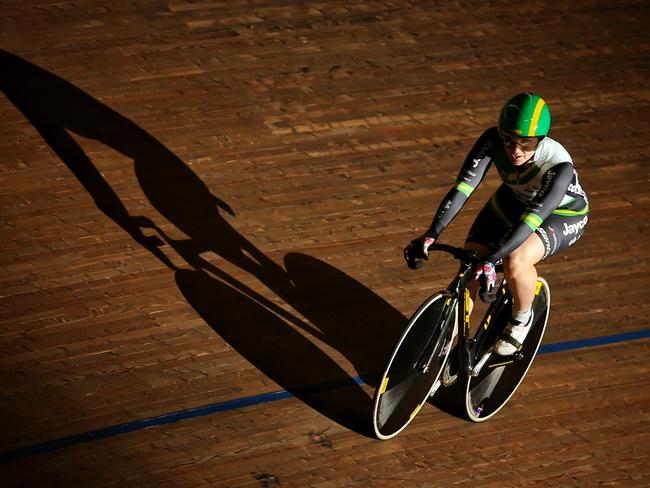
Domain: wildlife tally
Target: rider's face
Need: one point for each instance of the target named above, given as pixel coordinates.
(519, 149)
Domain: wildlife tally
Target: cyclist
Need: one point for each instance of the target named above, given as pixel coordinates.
(539, 210)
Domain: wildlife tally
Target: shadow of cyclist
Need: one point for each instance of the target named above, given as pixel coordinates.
(254, 326)
(352, 319)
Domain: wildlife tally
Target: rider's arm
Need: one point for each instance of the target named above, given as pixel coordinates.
(474, 168)
(555, 183)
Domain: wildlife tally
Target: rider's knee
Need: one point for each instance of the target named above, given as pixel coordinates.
(516, 264)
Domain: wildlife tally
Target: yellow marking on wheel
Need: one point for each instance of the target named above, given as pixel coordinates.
(539, 287)
(415, 412)
(448, 301)
(384, 386)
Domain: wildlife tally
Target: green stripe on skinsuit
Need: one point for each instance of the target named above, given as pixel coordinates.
(465, 188)
(533, 221)
(571, 213)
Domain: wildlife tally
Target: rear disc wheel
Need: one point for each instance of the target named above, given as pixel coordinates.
(500, 376)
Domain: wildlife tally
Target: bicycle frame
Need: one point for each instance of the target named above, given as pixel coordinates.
(468, 346)
(459, 290)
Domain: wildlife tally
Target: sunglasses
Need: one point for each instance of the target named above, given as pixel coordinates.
(525, 143)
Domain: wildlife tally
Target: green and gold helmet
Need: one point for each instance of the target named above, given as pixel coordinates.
(525, 115)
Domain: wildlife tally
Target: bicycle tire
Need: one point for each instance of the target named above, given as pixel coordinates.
(497, 381)
(404, 388)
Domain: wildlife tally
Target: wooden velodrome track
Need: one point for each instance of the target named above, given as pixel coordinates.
(203, 206)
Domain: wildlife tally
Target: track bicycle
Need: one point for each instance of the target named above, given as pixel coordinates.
(436, 350)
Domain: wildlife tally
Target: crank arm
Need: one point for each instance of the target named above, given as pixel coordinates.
(493, 360)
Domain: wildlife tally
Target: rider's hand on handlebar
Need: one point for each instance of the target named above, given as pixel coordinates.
(488, 274)
(418, 249)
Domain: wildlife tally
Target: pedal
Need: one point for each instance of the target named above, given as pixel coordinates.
(511, 358)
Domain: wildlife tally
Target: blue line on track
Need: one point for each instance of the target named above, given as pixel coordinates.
(115, 430)
(593, 341)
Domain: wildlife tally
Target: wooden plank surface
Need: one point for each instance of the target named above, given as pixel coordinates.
(206, 201)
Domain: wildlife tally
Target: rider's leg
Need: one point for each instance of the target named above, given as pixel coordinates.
(519, 268)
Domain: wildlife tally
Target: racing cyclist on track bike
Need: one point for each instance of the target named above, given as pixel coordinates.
(539, 210)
